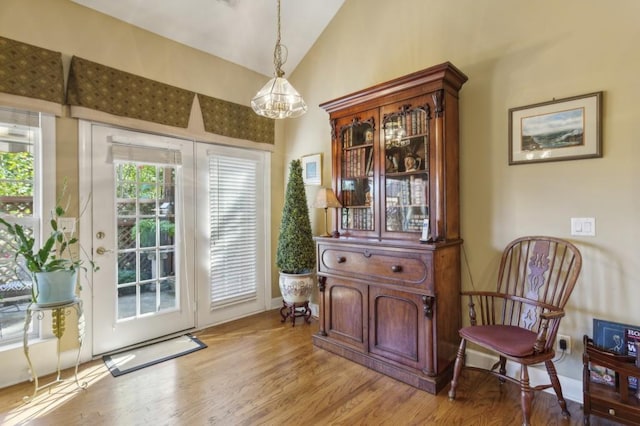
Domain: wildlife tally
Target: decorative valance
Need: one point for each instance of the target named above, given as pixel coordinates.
(31, 71)
(235, 120)
(107, 89)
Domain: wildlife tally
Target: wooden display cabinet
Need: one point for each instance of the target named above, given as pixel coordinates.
(619, 400)
(387, 299)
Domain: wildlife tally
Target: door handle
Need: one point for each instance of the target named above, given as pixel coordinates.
(102, 250)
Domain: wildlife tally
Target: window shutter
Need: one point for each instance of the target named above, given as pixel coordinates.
(234, 229)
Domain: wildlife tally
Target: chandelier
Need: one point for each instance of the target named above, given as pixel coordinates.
(278, 98)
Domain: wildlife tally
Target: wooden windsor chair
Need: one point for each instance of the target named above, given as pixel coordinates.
(519, 321)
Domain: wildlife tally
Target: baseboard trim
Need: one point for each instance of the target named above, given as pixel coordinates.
(276, 303)
(315, 310)
(571, 388)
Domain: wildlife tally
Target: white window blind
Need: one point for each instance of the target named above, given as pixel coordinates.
(234, 229)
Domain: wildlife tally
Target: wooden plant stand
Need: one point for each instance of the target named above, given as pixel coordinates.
(295, 310)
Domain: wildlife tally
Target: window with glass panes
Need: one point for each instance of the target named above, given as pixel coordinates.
(21, 139)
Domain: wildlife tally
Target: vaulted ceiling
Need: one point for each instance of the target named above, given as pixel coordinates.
(239, 31)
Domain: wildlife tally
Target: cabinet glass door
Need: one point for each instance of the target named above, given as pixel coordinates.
(406, 168)
(356, 180)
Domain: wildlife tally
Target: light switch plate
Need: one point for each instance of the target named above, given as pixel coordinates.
(67, 224)
(583, 226)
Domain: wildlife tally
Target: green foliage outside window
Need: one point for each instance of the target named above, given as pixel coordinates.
(16, 174)
(147, 228)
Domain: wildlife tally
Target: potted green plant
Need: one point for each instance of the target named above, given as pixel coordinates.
(54, 266)
(295, 255)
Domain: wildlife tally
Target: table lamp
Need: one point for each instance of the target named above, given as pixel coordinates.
(325, 199)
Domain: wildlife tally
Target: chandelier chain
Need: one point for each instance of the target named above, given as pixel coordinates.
(278, 58)
(278, 98)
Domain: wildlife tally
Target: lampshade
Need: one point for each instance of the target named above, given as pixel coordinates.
(326, 198)
(278, 98)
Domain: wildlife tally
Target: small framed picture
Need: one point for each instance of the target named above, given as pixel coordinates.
(312, 169)
(563, 129)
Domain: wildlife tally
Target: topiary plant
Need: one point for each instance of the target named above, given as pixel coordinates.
(296, 251)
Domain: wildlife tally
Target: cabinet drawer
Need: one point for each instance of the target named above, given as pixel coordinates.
(614, 410)
(403, 268)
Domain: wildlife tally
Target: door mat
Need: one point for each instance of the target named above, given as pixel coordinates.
(138, 358)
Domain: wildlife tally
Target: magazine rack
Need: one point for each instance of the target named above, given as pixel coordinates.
(616, 400)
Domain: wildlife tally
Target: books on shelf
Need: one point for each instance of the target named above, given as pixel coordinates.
(369, 169)
(357, 162)
(418, 190)
(347, 138)
(408, 192)
(414, 122)
(358, 218)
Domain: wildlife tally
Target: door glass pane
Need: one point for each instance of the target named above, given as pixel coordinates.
(146, 239)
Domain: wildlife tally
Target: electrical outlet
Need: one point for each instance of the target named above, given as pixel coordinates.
(567, 340)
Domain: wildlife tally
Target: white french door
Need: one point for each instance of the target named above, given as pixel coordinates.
(143, 226)
(180, 231)
(233, 270)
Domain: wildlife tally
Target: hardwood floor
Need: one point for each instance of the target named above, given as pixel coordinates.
(257, 371)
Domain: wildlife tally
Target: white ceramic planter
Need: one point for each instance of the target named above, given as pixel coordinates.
(296, 288)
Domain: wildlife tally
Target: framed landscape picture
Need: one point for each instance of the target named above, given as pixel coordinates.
(563, 129)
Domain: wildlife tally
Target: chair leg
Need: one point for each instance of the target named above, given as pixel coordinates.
(457, 369)
(526, 395)
(503, 368)
(551, 369)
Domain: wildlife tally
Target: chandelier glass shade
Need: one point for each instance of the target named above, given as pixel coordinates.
(278, 98)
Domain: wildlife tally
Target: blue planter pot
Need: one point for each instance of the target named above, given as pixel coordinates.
(55, 288)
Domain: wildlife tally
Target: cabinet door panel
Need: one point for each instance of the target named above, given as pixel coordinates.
(405, 142)
(396, 323)
(354, 173)
(346, 305)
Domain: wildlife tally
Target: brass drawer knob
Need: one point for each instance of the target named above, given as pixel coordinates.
(341, 259)
(396, 268)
